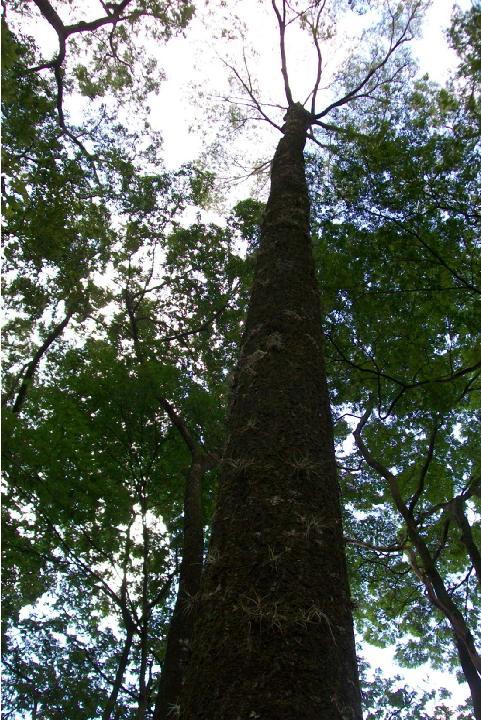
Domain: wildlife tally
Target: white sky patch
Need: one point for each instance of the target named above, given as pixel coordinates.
(153, 522)
(434, 55)
(420, 678)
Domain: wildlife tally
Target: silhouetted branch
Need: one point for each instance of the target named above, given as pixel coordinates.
(424, 566)
(405, 385)
(356, 92)
(250, 92)
(424, 469)
(28, 374)
(281, 19)
(113, 16)
(315, 37)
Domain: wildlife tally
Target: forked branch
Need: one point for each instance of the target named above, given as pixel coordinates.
(114, 14)
(362, 89)
(281, 19)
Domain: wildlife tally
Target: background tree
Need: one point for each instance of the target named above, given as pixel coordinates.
(405, 182)
(89, 475)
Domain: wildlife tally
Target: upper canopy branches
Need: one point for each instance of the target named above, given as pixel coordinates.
(116, 23)
(365, 74)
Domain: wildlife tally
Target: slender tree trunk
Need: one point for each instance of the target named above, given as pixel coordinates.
(143, 694)
(180, 631)
(274, 638)
(424, 566)
(472, 676)
(144, 624)
(468, 656)
(179, 636)
(130, 630)
(119, 676)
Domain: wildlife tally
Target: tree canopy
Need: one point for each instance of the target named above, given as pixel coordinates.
(123, 323)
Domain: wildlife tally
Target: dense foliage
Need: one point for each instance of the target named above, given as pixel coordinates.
(123, 322)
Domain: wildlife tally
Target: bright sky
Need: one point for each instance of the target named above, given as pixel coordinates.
(188, 60)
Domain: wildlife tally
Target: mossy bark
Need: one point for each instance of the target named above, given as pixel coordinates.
(273, 638)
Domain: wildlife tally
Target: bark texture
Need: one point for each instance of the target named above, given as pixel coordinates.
(273, 638)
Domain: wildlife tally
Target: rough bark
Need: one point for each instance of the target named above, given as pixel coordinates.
(180, 631)
(273, 637)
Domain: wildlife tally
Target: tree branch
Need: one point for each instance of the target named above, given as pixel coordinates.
(405, 385)
(425, 468)
(425, 568)
(356, 93)
(250, 92)
(395, 548)
(27, 376)
(467, 538)
(281, 19)
(56, 64)
(315, 36)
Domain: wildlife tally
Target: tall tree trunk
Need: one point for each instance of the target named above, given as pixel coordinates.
(274, 637)
(180, 631)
